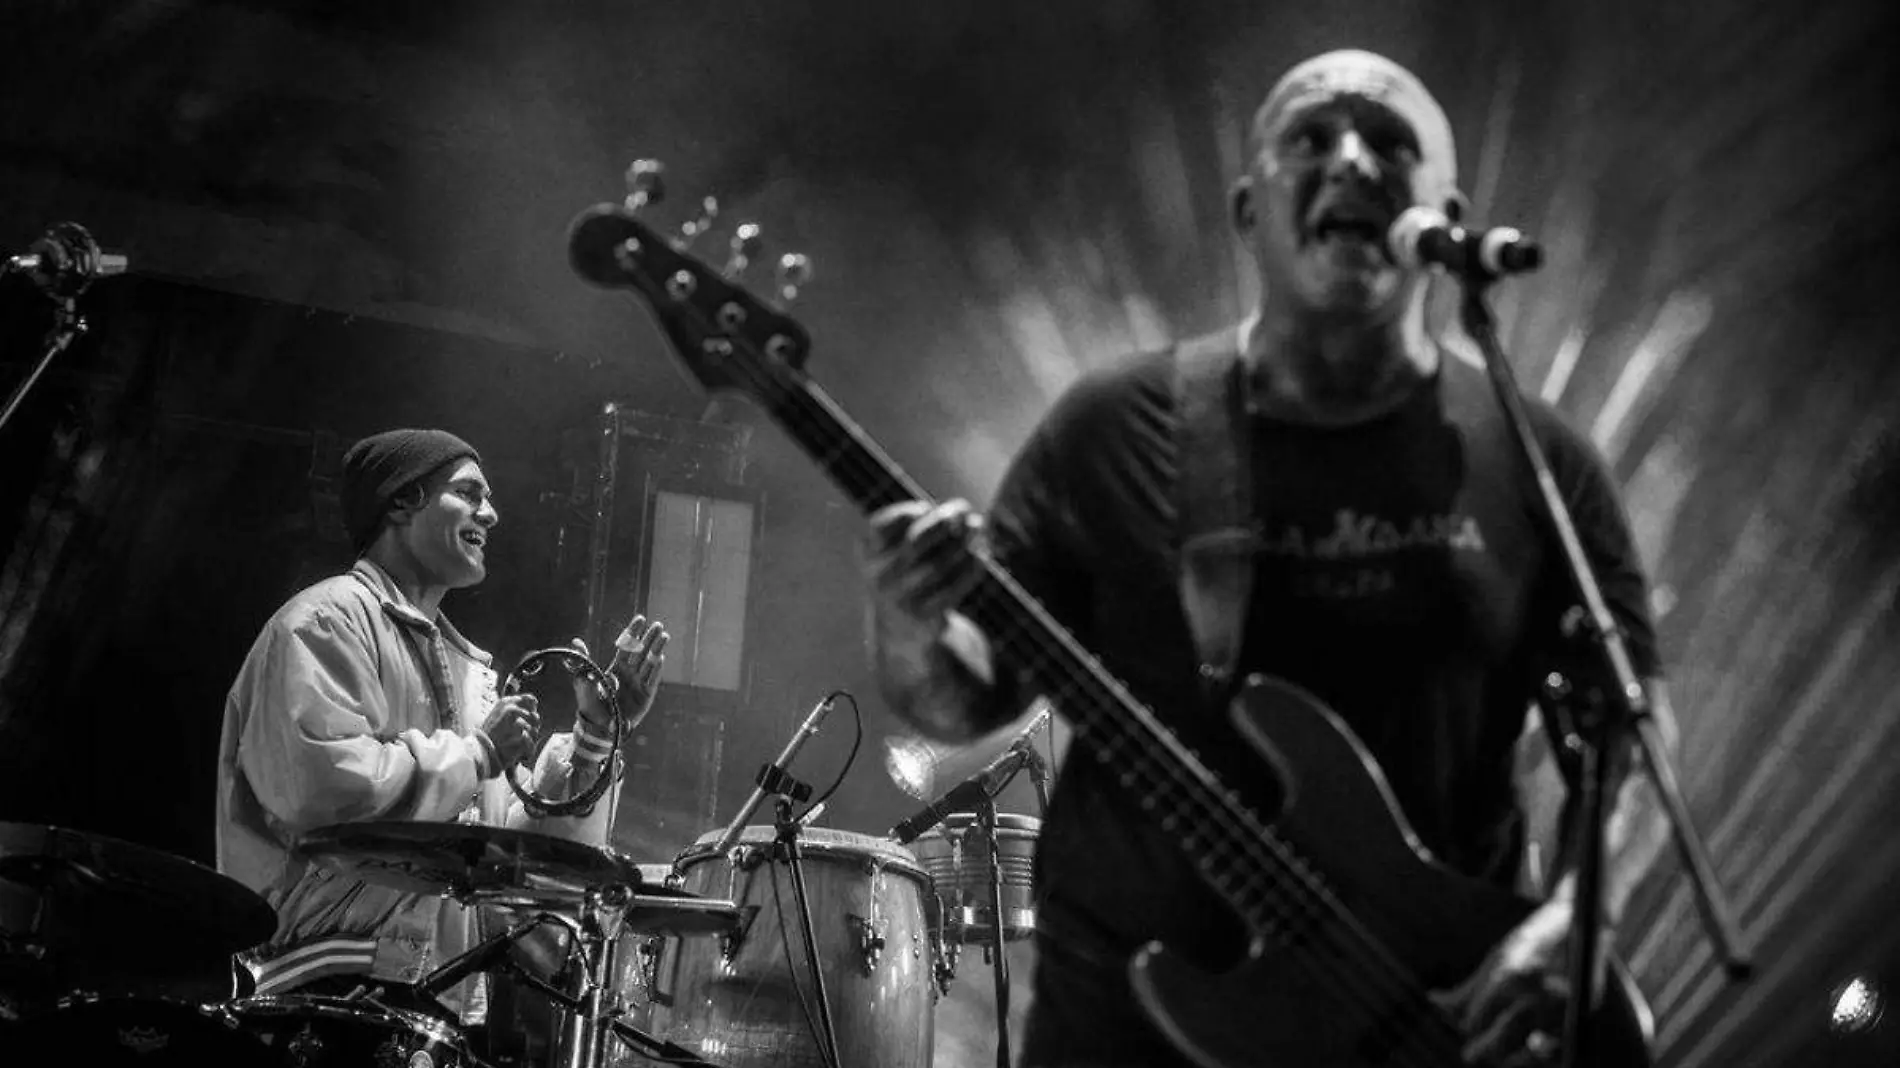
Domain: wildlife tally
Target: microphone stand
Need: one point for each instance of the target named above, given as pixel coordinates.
(999, 964)
(1623, 707)
(63, 264)
(787, 842)
(66, 328)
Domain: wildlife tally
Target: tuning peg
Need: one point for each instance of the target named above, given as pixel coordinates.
(708, 211)
(646, 183)
(747, 239)
(794, 270)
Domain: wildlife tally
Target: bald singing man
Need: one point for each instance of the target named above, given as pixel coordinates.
(1389, 562)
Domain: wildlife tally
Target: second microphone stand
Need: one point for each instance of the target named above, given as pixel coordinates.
(986, 823)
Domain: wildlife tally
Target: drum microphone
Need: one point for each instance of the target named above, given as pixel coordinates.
(805, 731)
(984, 784)
(1422, 237)
(480, 958)
(65, 260)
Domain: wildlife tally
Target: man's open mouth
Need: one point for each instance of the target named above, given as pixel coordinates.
(1349, 222)
(475, 538)
(1366, 230)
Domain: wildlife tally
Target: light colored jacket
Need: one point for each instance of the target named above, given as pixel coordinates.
(354, 706)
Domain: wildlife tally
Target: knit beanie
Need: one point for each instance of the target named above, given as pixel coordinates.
(380, 466)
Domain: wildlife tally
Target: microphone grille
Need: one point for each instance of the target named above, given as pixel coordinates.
(1402, 237)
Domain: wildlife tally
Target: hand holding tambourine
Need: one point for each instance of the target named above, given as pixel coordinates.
(639, 656)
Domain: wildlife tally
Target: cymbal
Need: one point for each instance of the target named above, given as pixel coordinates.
(472, 863)
(83, 910)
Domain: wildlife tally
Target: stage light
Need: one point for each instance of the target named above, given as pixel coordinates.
(1857, 1006)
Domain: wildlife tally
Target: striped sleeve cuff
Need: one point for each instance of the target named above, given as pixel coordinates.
(591, 747)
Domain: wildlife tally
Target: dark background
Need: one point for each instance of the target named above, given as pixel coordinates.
(341, 221)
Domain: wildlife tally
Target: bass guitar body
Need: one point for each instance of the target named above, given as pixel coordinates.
(1332, 1000)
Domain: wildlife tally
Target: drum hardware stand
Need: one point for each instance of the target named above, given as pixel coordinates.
(787, 842)
(1607, 713)
(643, 1044)
(601, 918)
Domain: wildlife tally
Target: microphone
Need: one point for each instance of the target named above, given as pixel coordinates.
(65, 260)
(984, 784)
(1422, 237)
(480, 958)
(805, 730)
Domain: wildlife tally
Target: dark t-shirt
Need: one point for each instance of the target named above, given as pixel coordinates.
(1404, 578)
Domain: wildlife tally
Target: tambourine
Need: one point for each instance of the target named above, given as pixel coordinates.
(580, 666)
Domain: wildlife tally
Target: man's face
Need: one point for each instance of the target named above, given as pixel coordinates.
(1331, 175)
(445, 534)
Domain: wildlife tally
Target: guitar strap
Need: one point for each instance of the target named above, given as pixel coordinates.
(1213, 496)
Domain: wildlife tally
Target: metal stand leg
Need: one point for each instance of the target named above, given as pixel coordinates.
(794, 859)
(999, 963)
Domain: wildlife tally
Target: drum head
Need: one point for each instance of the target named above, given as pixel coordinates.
(326, 1030)
(121, 1032)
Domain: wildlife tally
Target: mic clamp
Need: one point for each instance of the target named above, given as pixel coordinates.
(775, 780)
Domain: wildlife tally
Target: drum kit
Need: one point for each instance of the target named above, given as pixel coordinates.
(113, 953)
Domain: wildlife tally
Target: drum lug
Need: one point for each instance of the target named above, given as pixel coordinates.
(943, 966)
(306, 1048)
(394, 1053)
(870, 941)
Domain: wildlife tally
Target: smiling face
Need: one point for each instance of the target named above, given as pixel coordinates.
(1342, 146)
(441, 527)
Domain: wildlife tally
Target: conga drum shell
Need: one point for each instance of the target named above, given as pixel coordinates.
(742, 1001)
(956, 857)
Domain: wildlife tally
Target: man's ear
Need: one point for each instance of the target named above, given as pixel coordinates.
(404, 505)
(1241, 204)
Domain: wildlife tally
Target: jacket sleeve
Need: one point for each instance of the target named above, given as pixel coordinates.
(569, 765)
(310, 747)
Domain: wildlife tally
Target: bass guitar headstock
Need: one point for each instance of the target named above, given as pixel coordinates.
(727, 337)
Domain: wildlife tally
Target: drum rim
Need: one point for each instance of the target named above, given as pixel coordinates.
(342, 1008)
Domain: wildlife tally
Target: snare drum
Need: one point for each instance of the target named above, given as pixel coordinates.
(118, 1032)
(958, 860)
(736, 1000)
(325, 1032)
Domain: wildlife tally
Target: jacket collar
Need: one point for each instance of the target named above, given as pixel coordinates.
(399, 608)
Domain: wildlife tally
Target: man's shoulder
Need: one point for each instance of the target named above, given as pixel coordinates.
(341, 597)
(1138, 384)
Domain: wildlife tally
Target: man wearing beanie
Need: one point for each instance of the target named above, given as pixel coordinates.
(360, 701)
(1322, 494)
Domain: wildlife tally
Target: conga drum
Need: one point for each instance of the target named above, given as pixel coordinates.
(957, 859)
(748, 1001)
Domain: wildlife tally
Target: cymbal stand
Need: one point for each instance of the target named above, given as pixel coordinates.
(602, 913)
